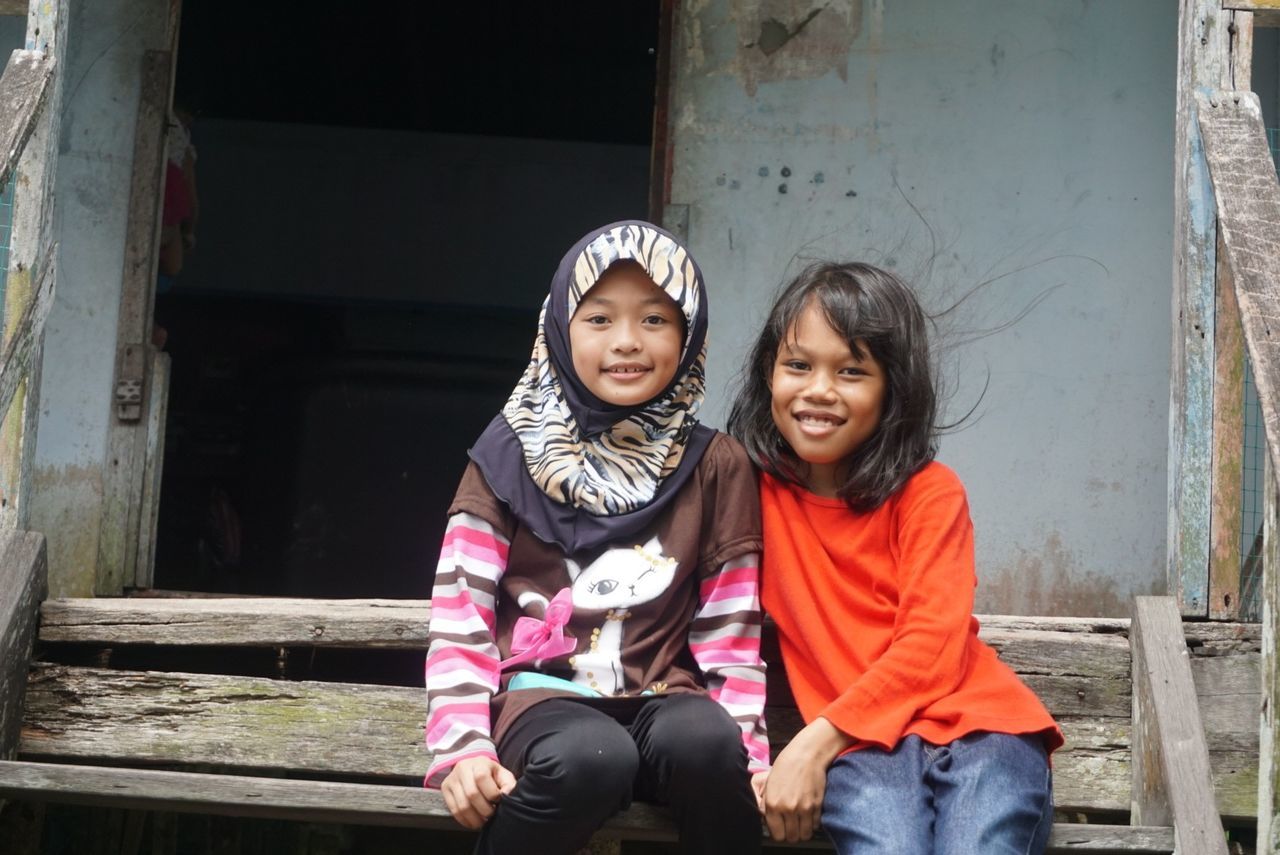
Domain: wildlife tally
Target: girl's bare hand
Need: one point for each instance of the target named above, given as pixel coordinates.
(473, 789)
(758, 781)
(797, 782)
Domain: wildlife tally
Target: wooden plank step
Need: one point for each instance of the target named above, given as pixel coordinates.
(374, 804)
(154, 718)
(292, 622)
(238, 622)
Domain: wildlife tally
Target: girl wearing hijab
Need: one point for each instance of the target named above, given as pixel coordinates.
(595, 627)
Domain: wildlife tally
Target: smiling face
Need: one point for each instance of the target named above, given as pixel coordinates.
(826, 399)
(626, 337)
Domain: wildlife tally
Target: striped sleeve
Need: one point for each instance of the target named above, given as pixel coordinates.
(462, 657)
(725, 641)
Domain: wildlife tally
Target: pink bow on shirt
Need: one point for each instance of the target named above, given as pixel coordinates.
(543, 639)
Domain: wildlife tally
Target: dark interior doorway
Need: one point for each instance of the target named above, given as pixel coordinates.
(384, 194)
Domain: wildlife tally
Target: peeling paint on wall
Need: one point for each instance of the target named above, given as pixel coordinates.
(793, 39)
(1051, 581)
(68, 500)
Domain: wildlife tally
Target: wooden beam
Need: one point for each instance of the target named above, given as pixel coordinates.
(23, 335)
(1241, 28)
(31, 236)
(1204, 62)
(243, 622)
(1266, 13)
(231, 722)
(1173, 783)
(149, 516)
(1248, 207)
(1269, 738)
(24, 87)
(660, 144)
(13, 7)
(383, 805)
(123, 478)
(1227, 512)
(146, 717)
(24, 583)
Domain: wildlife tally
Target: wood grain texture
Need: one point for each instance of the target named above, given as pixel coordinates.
(1060, 645)
(1226, 515)
(1269, 737)
(1172, 782)
(238, 622)
(123, 480)
(233, 722)
(23, 583)
(24, 86)
(1204, 49)
(404, 806)
(1079, 666)
(1248, 206)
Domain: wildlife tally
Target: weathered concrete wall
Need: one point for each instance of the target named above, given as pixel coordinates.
(364, 214)
(106, 40)
(1027, 145)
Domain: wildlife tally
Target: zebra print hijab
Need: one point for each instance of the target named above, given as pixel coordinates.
(577, 471)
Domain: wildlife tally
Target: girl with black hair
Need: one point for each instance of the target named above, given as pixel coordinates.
(917, 738)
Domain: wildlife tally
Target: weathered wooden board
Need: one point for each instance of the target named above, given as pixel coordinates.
(1172, 778)
(284, 622)
(23, 583)
(1266, 13)
(231, 622)
(24, 333)
(123, 481)
(237, 722)
(254, 723)
(1225, 519)
(1248, 203)
(1269, 735)
(1204, 62)
(374, 804)
(23, 88)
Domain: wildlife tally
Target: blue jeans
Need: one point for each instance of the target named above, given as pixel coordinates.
(983, 794)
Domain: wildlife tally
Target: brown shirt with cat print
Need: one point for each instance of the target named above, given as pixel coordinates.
(634, 603)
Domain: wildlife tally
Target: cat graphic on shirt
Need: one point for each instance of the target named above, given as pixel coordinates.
(619, 579)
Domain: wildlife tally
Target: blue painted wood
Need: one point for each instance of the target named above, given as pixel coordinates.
(1204, 53)
(1191, 399)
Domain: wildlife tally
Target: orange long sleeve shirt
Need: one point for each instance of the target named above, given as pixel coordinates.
(875, 616)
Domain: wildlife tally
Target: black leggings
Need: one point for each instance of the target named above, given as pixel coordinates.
(577, 766)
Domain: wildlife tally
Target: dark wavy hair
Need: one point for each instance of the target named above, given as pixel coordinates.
(863, 304)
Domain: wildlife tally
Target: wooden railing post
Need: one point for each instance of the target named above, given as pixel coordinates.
(32, 259)
(1204, 62)
(23, 585)
(1269, 743)
(1248, 205)
(1172, 781)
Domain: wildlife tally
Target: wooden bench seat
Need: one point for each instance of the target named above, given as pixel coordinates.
(260, 743)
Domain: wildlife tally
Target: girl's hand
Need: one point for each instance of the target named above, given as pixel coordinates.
(473, 788)
(798, 780)
(758, 781)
